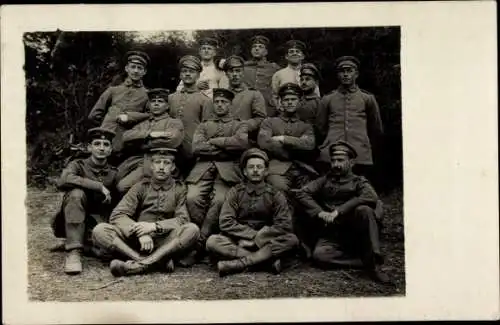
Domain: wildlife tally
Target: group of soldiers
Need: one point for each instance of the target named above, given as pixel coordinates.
(244, 167)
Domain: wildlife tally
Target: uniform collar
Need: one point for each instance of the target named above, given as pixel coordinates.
(162, 185)
(129, 83)
(293, 118)
(351, 89)
(94, 166)
(224, 119)
(342, 179)
(189, 91)
(242, 87)
(160, 117)
(256, 188)
(253, 62)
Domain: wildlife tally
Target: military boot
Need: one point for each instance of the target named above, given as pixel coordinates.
(73, 262)
(241, 264)
(121, 268)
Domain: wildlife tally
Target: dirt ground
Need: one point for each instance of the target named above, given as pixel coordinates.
(48, 282)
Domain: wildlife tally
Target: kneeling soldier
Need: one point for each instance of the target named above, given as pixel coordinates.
(218, 144)
(345, 206)
(151, 219)
(88, 184)
(255, 221)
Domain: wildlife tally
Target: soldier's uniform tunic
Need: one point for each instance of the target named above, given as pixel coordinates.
(258, 75)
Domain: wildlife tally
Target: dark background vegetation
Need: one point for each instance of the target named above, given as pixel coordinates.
(67, 71)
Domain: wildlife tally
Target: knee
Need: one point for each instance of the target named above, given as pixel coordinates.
(213, 242)
(292, 240)
(193, 195)
(190, 231)
(123, 186)
(363, 210)
(320, 254)
(77, 195)
(278, 182)
(103, 235)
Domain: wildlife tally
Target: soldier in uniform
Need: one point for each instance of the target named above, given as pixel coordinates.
(350, 114)
(259, 71)
(344, 208)
(159, 124)
(291, 73)
(121, 107)
(255, 222)
(248, 103)
(218, 143)
(150, 226)
(88, 184)
(211, 75)
(191, 107)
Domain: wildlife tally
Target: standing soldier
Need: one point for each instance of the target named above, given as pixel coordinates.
(218, 144)
(343, 205)
(121, 107)
(211, 75)
(259, 71)
(88, 185)
(350, 114)
(159, 124)
(248, 104)
(255, 221)
(291, 74)
(150, 226)
(190, 106)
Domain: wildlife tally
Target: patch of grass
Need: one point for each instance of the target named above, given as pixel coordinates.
(47, 281)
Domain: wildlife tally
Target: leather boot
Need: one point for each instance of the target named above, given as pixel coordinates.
(121, 268)
(121, 247)
(73, 262)
(241, 264)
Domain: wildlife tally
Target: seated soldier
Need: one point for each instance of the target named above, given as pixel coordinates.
(88, 184)
(255, 221)
(344, 206)
(160, 124)
(121, 107)
(218, 144)
(150, 226)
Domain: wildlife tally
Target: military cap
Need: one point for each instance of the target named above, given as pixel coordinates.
(253, 153)
(347, 61)
(158, 92)
(209, 41)
(234, 61)
(190, 61)
(290, 88)
(343, 147)
(260, 40)
(295, 44)
(223, 92)
(159, 146)
(310, 69)
(138, 57)
(100, 133)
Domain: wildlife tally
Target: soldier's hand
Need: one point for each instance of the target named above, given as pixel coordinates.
(147, 243)
(323, 215)
(279, 138)
(156, 134)
(331, 216)
(203, 85)
(244, 243)
(122, 118)
(107, 194)
(143, 228)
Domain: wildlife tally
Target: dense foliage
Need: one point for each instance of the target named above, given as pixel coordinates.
(67, 71)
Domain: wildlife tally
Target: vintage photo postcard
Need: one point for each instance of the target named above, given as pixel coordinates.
(239, 162)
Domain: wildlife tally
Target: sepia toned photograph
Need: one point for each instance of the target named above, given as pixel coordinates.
(214, 164)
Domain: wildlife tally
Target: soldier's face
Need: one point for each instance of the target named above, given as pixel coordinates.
(221, 105)
(341, 164)
(189, 76)
(100, 148)
(294, 56)
(347, 75)
(135, 71)
(255, 170)
(162, 166)
(258, 51)
(289, 103)
(158, 106)
(207, 52)
(235, 75)
(307, 83)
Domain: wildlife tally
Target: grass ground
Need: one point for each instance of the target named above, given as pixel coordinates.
(47, 282)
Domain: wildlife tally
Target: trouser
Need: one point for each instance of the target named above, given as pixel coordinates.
(179, 242)
(352, 240)
(224, 247)
(78, 222)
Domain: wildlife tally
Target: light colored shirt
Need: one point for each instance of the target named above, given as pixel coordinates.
(286, 75)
